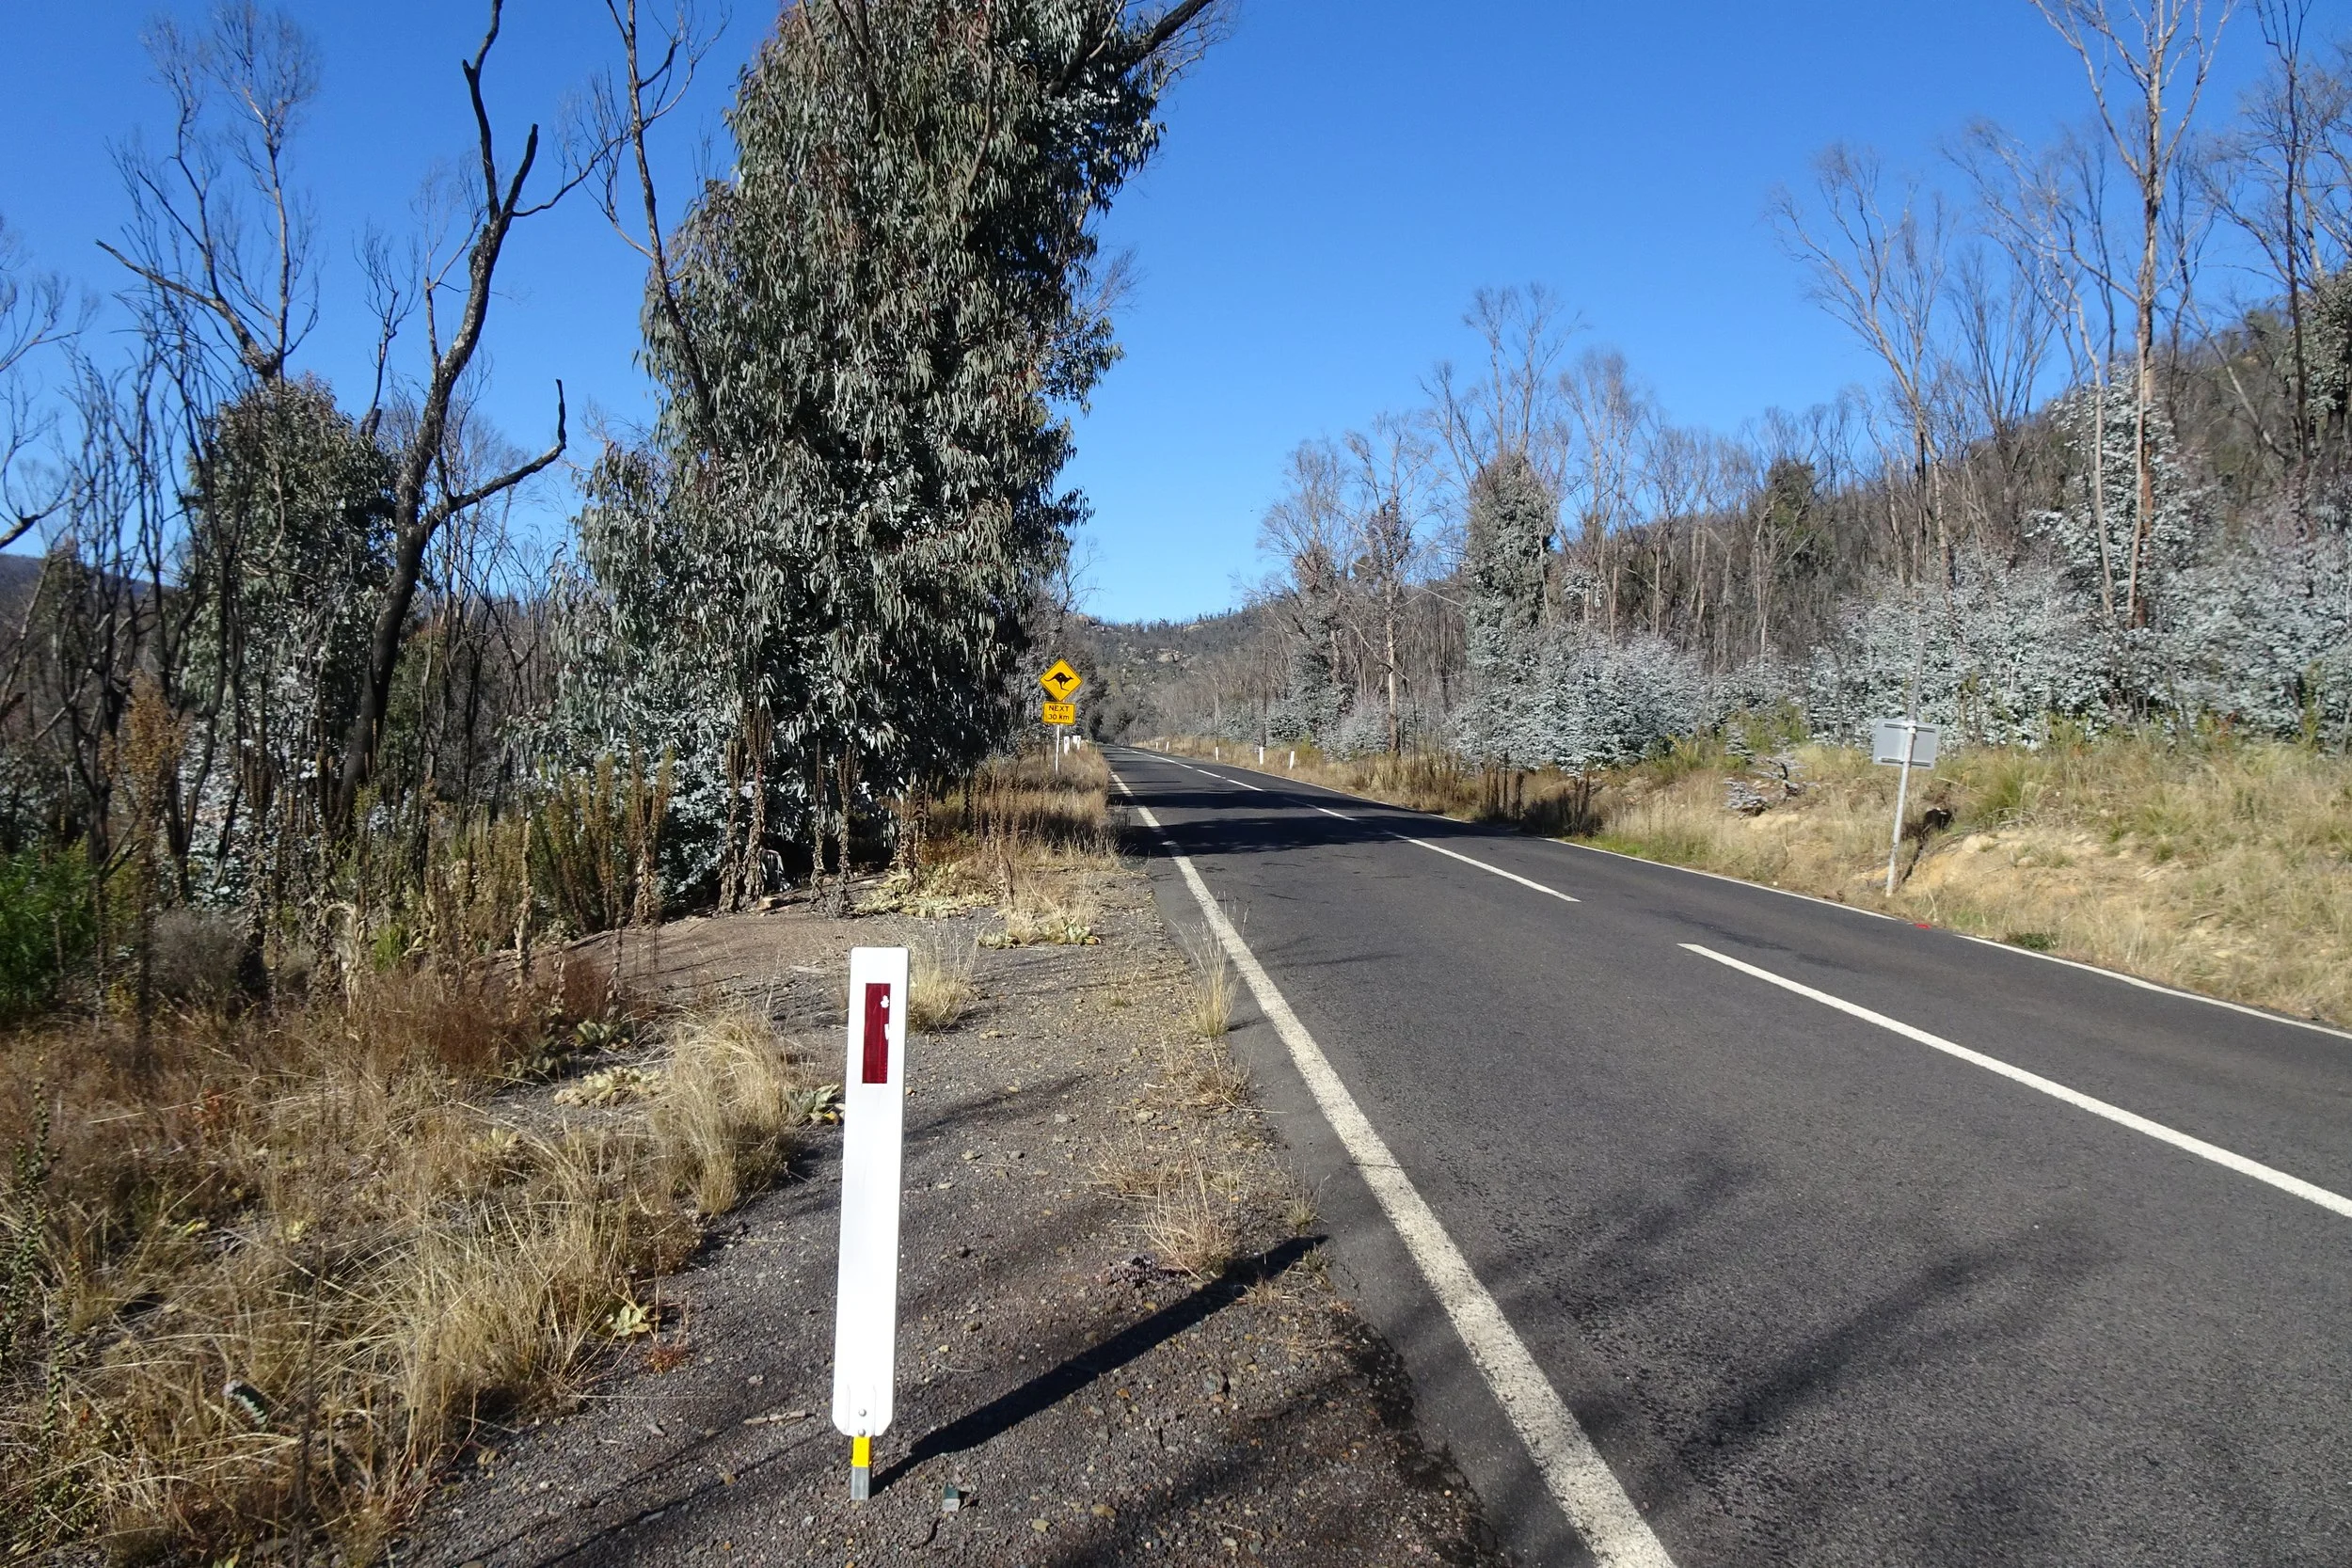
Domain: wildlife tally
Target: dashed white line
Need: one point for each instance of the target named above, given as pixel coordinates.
(2309, 1192)
(1453, 854)
(1578, 1478)
(1506, 875)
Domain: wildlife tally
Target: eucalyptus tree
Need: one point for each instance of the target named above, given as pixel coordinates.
(290, 550)
(1388, 544)
(2271, 179)
(1609, 416)
(220, 242)
(1506, 552)
(1878, 264)
(1307, 531)
(2147, 63)
(865, 338)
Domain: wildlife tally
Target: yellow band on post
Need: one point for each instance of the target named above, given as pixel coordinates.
(861, 1453)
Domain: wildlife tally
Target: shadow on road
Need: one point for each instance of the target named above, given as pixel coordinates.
(1292, 824)
(1050, 1388)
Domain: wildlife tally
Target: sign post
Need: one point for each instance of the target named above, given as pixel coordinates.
(1903, 743)
(873, 1122)
(1060, 682)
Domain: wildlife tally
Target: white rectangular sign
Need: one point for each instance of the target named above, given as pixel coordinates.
(1888, 737)
(873, 1123)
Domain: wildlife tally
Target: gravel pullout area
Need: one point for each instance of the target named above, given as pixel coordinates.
(1067, 1141)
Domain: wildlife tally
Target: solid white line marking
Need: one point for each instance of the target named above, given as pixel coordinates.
(2335, 1202)
(1719, 876)
(1573, 1471)
(2161, 990)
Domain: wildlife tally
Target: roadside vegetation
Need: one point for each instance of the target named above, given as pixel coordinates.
(334, 810)
(264, 1273)
(2212, 863)
(265, 1268)
(2096, 528)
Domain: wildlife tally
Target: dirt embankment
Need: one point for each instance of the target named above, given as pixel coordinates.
(1117, 1342)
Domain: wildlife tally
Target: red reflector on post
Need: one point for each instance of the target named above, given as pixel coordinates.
(877, 1069)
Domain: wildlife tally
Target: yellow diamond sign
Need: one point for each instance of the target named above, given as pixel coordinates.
(1060, 681)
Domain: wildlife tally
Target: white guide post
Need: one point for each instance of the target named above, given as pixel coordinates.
(873, 1123)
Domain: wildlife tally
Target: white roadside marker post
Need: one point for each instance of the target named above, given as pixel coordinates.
(873, 1124)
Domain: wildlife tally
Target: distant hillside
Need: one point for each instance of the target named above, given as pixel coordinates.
(1130, 665)
(19, 576)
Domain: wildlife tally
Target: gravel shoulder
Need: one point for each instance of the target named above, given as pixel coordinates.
(1068, 1145)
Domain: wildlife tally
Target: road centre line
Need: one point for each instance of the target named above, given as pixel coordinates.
(2309, 1192)
(1506, 875)
(1578, 1478)
(1455, 854)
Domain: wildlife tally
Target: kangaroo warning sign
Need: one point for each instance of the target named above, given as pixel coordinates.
(1060, 681)
(873, 1120)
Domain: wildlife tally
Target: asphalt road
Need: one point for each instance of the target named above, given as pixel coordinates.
(1819, 1293)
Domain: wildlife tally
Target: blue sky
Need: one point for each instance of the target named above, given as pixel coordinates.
(1338, 177)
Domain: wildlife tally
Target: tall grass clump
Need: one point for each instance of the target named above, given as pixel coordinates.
(1210, 1011)
(940, 988)
(1018, 833)
(259, 1277)
(1024, 809)
(728, 1101)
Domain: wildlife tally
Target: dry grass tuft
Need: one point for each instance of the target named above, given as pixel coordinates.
(1300, 1204)
(940, 988)
(1062, 914)
(1189, 1224)
(1211, 1014)
(728, 1100)
(1205, 1073)
(279, 1274)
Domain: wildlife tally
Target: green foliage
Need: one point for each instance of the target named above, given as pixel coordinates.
(1507, 555)
(291, 546)
(48, 923)
(815, 581)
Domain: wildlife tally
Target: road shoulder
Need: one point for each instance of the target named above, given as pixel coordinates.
(1088, 1400)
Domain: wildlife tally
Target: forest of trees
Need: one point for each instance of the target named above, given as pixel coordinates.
(2105, 478)
(289, 666)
